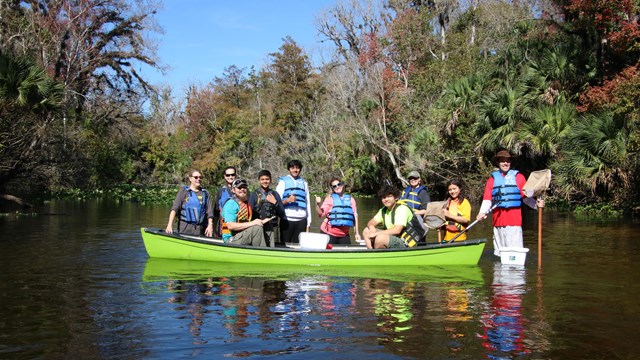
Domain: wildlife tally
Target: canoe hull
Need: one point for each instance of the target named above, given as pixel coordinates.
(161, 245)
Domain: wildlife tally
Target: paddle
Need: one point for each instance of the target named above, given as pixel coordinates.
(475, 222)
(537, 183)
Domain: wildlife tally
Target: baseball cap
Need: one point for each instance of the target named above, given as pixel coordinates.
(239, 183)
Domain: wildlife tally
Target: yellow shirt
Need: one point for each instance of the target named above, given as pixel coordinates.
(463, 210)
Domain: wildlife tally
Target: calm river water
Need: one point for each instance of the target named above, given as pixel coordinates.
(76, 282)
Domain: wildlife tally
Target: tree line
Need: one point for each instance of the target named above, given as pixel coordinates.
(438, 86)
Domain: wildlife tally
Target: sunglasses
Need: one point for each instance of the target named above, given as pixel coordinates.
(234, 174)
(336, 185)
(197, 177)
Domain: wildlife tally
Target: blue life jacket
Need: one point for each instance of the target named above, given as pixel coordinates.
(341, 212)
(224, 196)
(410, 197)
(194, 209)
(295, 187)
(505, 190)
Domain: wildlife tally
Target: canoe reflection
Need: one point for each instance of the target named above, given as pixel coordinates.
(292, 307)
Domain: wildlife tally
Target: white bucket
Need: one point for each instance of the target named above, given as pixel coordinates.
(513, 256)
(313, 241)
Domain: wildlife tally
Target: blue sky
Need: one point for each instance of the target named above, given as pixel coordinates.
(203, 37)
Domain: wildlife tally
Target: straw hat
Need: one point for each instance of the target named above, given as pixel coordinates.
(502, 154)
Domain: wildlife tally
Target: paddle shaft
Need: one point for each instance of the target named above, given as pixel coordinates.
(539, 237)
(475, 222)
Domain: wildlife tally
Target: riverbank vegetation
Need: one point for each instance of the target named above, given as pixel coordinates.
(437, 86)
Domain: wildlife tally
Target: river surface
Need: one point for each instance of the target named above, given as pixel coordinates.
(76, 283)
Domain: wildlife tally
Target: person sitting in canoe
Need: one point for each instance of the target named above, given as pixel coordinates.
(237, 226)
(195, 207)
(401, 228)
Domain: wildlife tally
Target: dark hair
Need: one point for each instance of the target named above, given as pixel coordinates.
(293, 163)
(335, 178)
(262, 173)
(389, 190)
(230, 168)
(457, 183)
(191, 173)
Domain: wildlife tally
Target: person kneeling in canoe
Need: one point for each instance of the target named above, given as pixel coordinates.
(237, 226)
(401, 228)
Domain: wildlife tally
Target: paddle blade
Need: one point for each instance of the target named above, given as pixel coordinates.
(537, 183)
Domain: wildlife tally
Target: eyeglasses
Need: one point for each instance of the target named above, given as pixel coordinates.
(234, 174)
(336, 185)
(197, 177)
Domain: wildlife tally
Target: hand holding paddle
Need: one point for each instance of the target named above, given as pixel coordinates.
(480, 216)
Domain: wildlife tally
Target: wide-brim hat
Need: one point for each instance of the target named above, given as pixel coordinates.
(502, 154)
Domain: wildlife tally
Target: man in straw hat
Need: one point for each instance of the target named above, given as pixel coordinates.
(504, 188)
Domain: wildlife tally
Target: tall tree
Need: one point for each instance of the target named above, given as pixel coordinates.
(90, 46)
(291, 71)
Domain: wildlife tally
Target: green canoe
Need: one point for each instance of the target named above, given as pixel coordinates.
(174, 246)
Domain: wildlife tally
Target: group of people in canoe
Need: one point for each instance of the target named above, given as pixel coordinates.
(267, 216)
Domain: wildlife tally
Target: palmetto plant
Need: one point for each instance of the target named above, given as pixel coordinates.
(28, 101)
(595, 155)
(548, 127)
(26, 86)
(461, 97)
(502, 114)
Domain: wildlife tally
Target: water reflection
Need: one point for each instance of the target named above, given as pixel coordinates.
(283, 310)
(503, 323)
(458, 312)
(244, 307)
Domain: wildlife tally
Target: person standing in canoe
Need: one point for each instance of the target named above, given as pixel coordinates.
(457, 212)
(267, 204)
(340, 214)
(237, 224)
(195, 206)
(224, 193)
(504, 188)
(415, 195)
(294, 191)
(400, 226)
